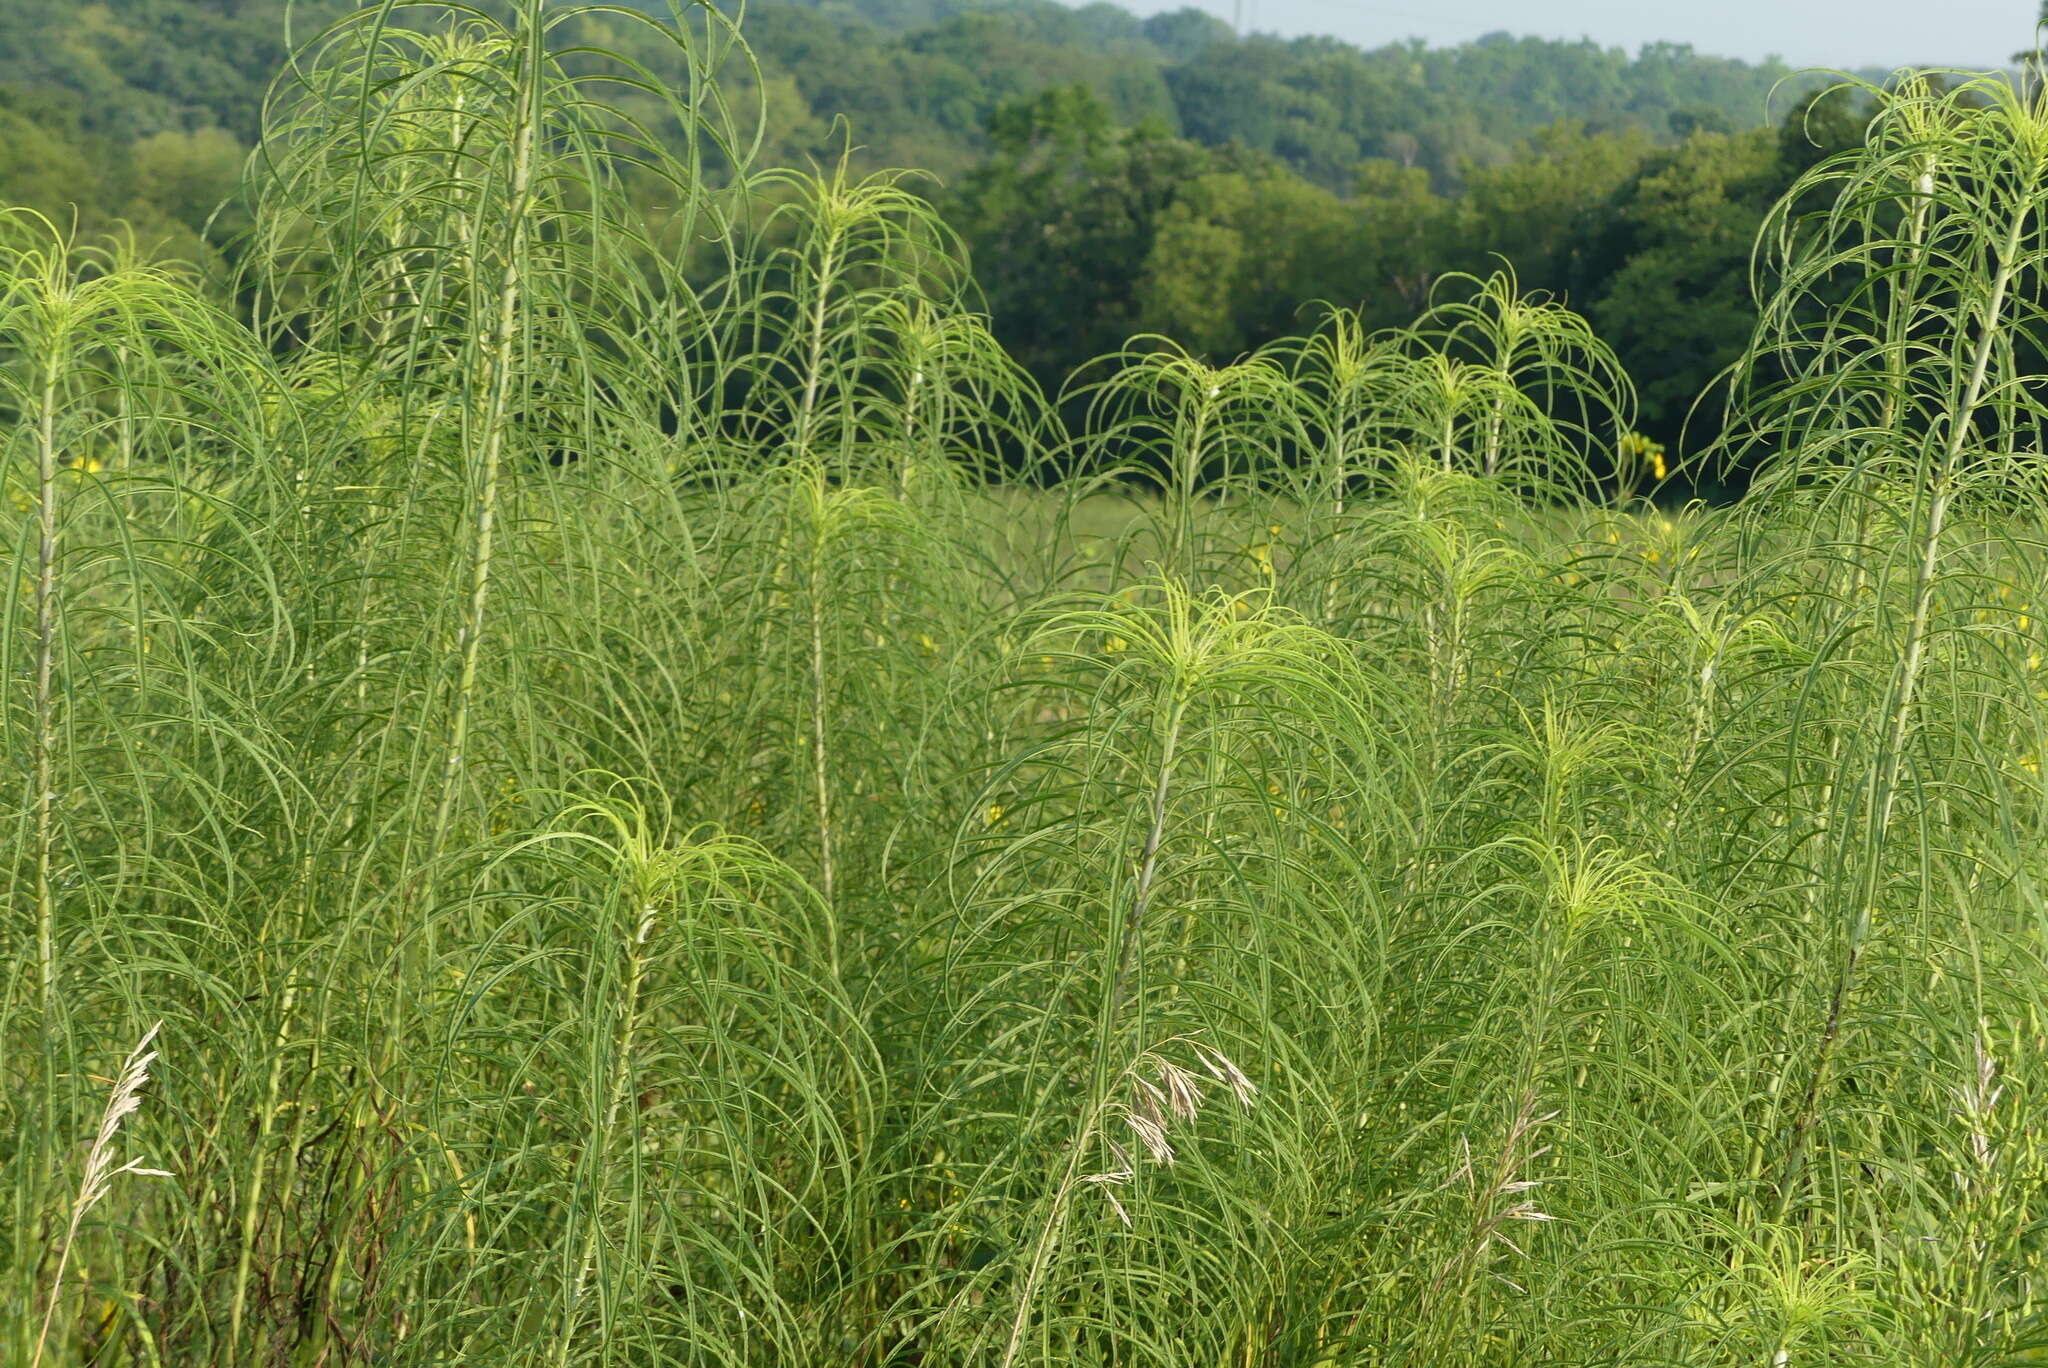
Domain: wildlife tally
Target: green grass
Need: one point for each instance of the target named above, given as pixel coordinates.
(644, 850)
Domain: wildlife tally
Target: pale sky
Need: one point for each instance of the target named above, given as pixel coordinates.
(1835, 33)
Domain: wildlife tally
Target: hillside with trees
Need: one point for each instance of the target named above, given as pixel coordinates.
(926, 78)
(1110, 175)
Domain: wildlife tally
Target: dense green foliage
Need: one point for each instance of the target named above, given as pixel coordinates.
(920, 81)
(559, 811)
(920, 78)
(1085, 234)
(1110, 175)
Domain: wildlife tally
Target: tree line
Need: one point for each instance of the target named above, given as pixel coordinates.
(1110, 175)
(1085, 233)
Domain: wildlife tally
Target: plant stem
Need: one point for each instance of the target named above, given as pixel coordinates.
(1905, 687)
(814, 361)
(504, 336)
(615, 1096)
(821, 774)
(1115, 998)
(44, 742)
(1182, 553)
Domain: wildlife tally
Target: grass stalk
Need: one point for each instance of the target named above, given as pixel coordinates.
(499, 374)
(1898, 728)
(44, 722)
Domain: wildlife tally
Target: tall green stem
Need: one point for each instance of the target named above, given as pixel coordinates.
(616, 1089)
(1904, 694)
(504, 338)
(1117, 992)
(814, 359)
(44, 737)
(1182, 555)
(821, 772)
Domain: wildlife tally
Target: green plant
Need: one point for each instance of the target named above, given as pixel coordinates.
(675, 815)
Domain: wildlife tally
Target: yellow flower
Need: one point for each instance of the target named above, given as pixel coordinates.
(1641, 448)
(924, 639)
(1115, 643)
(994, 815)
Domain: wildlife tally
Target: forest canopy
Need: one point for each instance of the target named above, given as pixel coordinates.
(1109, 175)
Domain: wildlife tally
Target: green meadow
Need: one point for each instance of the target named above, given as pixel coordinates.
(593, 775)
